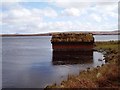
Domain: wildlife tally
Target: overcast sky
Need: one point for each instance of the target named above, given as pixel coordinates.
(56, 16)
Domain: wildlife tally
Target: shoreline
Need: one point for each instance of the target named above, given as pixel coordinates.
(50, 34)
(102, 76)
(15, 35)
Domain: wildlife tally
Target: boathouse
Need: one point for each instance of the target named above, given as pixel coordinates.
(72, 41)
(72, 48)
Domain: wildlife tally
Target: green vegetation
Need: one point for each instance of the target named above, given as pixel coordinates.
(72, 37)
(106, 75)
(107, 45)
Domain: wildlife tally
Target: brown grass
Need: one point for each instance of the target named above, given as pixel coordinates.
(105, 76)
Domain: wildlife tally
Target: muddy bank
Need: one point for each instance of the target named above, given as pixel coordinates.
(106, 75)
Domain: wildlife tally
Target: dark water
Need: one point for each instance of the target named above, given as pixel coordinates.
(27, 63)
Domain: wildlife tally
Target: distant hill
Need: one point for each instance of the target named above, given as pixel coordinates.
(116, 32)
(107, 32)
(10, 35)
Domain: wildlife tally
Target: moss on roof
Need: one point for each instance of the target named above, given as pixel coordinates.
(72, 37)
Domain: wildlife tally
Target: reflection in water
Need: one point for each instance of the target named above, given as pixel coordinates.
(26, 63)
(72, 57)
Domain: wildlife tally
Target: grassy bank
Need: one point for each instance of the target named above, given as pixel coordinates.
(106, 75)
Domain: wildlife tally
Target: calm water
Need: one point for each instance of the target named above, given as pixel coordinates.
(27, 63)
(105, 37)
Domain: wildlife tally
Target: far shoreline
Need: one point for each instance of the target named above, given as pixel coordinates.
(14, 35)
(50, 34)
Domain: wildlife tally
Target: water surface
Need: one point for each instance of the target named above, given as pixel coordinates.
(27, 63)
(106, 37)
